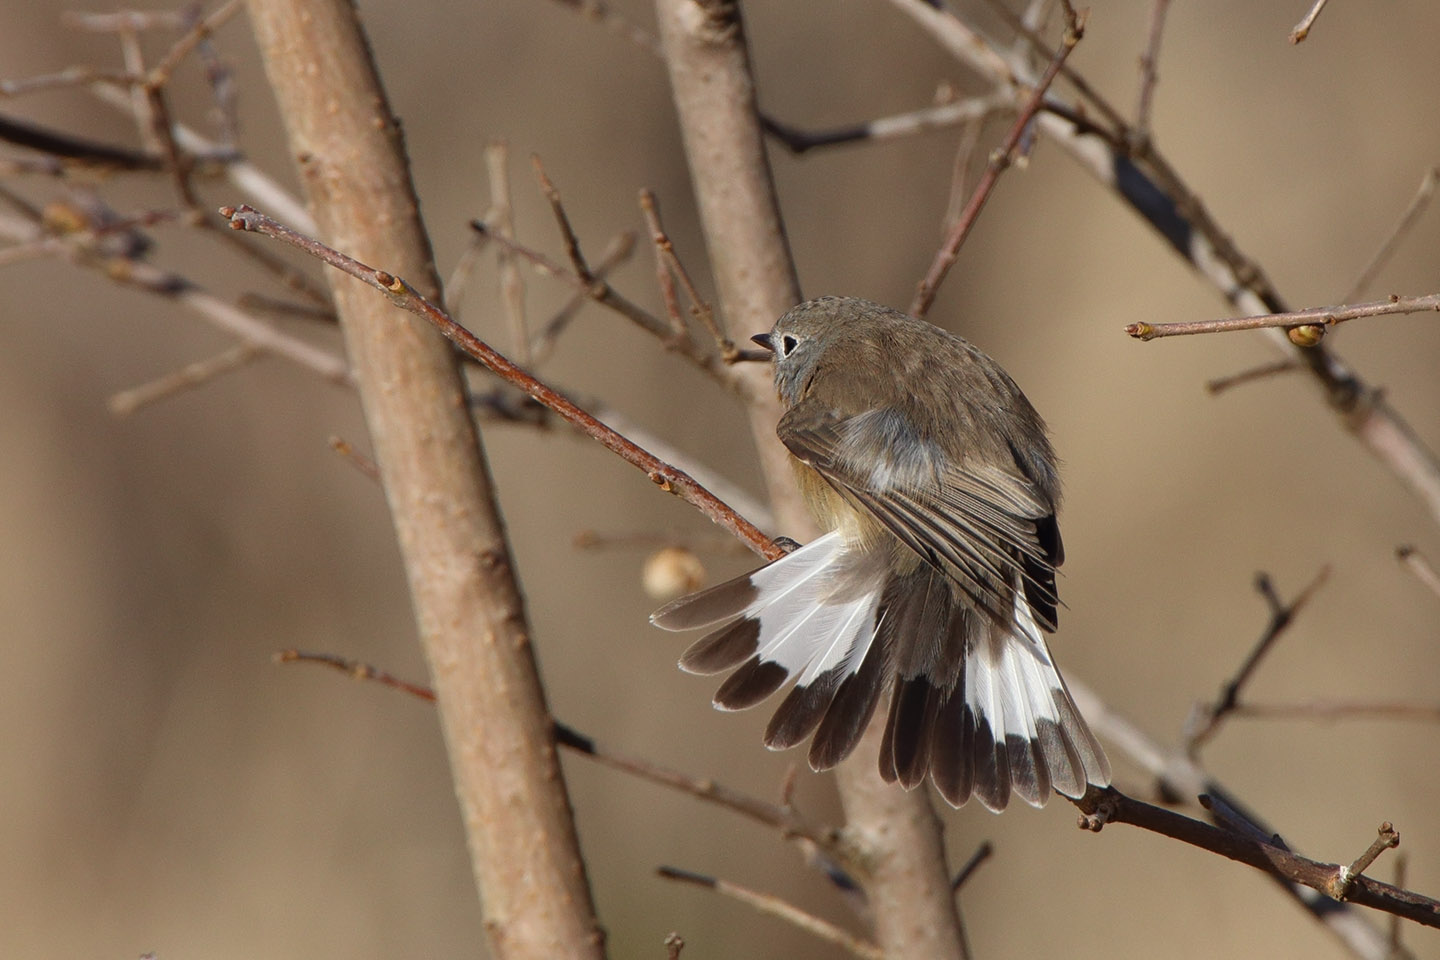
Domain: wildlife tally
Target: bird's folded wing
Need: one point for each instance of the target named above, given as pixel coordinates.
(976, 521)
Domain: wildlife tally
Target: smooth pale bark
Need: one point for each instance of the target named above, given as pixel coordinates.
(468, 607)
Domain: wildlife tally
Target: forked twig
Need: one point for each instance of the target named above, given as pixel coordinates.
(1000, 161)
(1207, 719)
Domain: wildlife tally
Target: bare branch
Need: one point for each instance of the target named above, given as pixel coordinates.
(1261, 372)
(1000, 160)
(1407, 222)
(773, 906)
(1179, 778)
(1333, 880)
(672, 264)
(1340, 710)
(783, 818)
(402, 295)
(188, 377)
(1312, 321)
(1149, 74)
(617, 251)
(1388, 839)
(1206, 720)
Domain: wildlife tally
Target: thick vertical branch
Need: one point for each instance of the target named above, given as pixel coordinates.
(470, 614)
(895, 833)
(704, 49)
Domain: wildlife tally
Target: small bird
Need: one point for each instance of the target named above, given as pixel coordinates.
(937, 483)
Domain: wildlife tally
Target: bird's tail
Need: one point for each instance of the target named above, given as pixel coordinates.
(975, 703)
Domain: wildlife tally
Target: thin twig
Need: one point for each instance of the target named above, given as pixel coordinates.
(216, 310)
(965, 152)
(1419, 565)
(1340, 710)
(674, 943)
(664, 279)
(502, 220)
(1318, 317)
(1388, 839)
(1149, 75)
(400, 293)
(604, 294)
(192, 375)
(783, 818)
(968, 868)
(562, 220)
(773, 906)
(619, 250)
(196, 35)
(1302, 29)
(1000, 160)
(1261, 372)
(1206, 720)
(358, 670)
(1407, 221)
(124, 21)
(665, 250)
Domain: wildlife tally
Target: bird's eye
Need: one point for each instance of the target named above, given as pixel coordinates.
(788, 342)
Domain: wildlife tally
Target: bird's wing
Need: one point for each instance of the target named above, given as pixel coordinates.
(983, 524)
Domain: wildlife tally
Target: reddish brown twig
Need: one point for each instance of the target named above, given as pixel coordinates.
(1000, 161)
(671, 265)
(400, 293)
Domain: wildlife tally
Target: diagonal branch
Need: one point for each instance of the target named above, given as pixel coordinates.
(402, 295)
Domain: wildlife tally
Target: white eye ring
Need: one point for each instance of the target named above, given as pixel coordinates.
(788, 342)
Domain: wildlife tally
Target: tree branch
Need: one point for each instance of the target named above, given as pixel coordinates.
(401, 294)
(468, 607)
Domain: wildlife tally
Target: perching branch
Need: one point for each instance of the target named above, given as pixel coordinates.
(402, 295)
(1335, 881)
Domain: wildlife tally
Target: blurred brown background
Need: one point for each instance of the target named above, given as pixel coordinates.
(164, 787)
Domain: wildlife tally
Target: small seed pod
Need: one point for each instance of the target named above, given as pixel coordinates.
(1306, 334)
(672, 572)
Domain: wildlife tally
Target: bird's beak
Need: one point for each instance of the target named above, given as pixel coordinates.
(764, 340)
